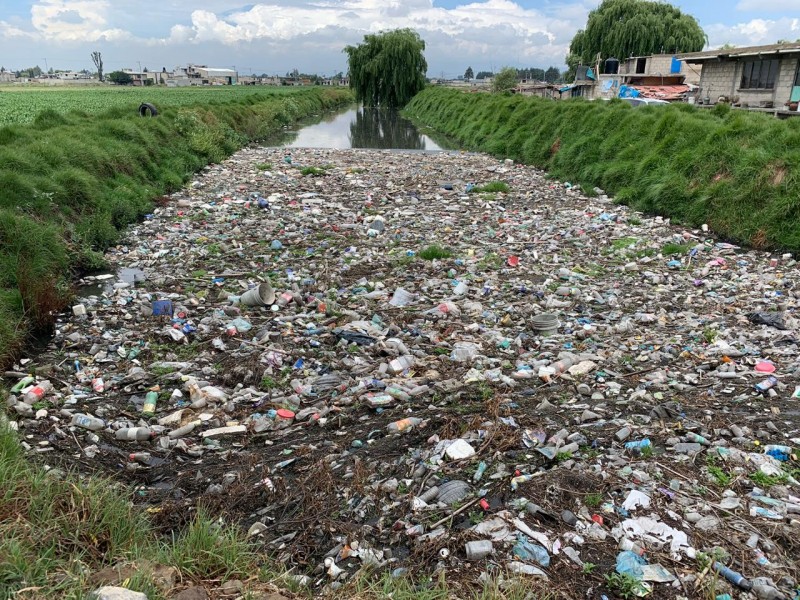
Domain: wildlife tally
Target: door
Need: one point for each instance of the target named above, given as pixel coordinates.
(796, 88)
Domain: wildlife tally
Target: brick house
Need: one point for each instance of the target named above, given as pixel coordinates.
(751, 77)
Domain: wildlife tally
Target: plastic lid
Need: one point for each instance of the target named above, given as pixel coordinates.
(765, 367)
(285, 413)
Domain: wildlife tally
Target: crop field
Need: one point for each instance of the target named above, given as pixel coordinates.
(21, 105)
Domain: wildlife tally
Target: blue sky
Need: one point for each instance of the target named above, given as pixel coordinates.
(276, 36)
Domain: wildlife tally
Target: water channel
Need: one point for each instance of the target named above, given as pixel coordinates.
(360, 127)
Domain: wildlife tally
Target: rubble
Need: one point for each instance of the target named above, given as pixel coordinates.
(370, 368)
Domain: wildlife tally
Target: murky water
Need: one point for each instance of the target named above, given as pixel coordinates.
(104, 281)
(360, 127)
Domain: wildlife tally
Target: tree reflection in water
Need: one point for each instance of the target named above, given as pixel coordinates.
(383, 128)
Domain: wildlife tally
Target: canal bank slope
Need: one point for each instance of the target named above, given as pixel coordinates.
(737, 171)
(69, 182)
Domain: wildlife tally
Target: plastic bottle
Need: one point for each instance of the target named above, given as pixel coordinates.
(479, 472)
(134, 434)
(182, 431)
(88, 422)
(735, 578)
(696, 438)
(403, 424)
(141, 457)
(761, 559)
(22, 383)
(760, 511)
(631, 546)
(150, 400)
(638, 444)
(398, 394)
(767, 384)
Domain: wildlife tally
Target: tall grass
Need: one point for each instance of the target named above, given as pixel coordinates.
(69, 182)
(739, 172)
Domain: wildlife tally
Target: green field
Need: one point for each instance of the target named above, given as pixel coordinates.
(20, 105)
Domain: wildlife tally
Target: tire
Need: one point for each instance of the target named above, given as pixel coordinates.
(147, 110)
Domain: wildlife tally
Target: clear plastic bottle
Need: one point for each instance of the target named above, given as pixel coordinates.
(88, 422)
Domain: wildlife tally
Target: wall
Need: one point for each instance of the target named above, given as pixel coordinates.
(722, 78)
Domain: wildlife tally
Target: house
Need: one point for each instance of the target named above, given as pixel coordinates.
(142, 78)
(657, 76)
(7, 77)
(751, 77)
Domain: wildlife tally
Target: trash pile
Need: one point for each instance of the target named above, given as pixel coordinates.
(367, 365)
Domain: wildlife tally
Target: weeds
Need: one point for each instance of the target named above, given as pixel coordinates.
(434, 252)
(264, 166)
(671, 249)
(765, 481)
(626, 586)
(312, 171)
(492, 187)
(593, 499)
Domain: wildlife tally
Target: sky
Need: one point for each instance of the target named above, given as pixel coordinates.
(277, 36)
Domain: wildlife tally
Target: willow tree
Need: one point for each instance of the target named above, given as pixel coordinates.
(388, 68)
(625, 28)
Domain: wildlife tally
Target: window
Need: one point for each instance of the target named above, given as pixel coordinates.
(797, 76)
(759, 74)
(641, 65)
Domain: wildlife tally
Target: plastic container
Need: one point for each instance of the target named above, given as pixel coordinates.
(479, 549)
(545, 323)
(262, 295)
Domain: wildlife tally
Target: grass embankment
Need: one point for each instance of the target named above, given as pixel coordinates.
(737, 171)
(57, 532)
(69, 182)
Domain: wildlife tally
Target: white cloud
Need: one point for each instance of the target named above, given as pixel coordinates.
(73, 21)
(486, 33)
(755, 32)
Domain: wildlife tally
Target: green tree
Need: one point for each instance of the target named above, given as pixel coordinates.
(469, 74)
(552, 75)
(484, 75)
(625, 28)
(388, 68)
(505, 80)
(120, 78)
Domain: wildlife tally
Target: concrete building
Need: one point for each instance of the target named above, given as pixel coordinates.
(658, 76)
(766, 77)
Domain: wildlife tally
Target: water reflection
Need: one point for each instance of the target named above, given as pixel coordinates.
(381, 128)
(359, 127)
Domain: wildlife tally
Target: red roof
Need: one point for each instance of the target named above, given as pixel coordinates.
(662, 92)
